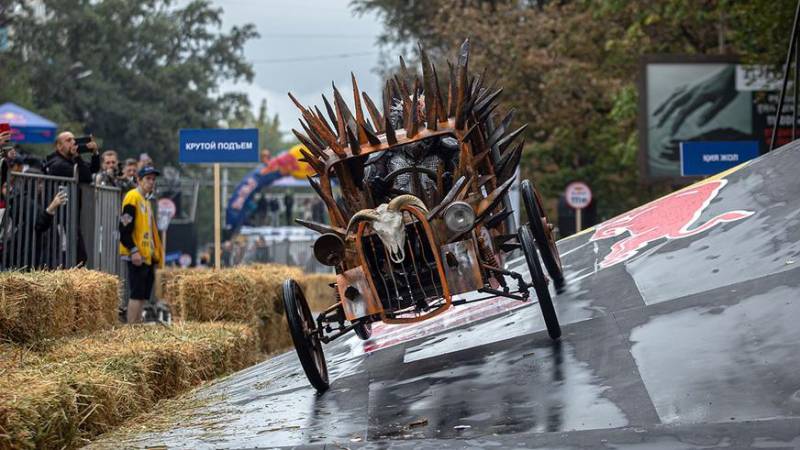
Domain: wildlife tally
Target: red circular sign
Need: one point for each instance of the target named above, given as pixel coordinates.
(578, 195)
(167, 206)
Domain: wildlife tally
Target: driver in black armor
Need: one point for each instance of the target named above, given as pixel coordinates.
(435, 155)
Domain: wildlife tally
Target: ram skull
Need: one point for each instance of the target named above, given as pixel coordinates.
(387, 221)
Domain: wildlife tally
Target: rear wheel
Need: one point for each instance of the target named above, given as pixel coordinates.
(363, 330)
(305, 335)
(539, 282)
(542, 233)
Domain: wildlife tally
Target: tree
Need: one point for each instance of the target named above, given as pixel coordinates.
(132, 72)
(569, 70)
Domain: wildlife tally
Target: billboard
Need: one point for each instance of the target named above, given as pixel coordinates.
(703, 99)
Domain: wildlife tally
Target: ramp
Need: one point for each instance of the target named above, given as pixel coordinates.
(681, 328)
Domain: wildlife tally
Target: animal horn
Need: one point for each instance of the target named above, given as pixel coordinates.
(406, 200)
(364, 215)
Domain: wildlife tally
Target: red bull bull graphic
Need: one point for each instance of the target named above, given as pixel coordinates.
(674, 216)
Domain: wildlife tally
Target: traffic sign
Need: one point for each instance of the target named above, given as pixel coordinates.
(219, 146)
(166, 211)
(578, 195)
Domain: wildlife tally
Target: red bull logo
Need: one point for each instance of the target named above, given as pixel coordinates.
(672, 217)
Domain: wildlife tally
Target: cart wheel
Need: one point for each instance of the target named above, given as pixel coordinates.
(305, 336)
(542, 232)
(539, 282)
(363, 330)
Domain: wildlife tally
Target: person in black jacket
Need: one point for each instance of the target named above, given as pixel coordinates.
(62, 163)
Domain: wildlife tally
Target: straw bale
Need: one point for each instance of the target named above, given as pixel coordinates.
(217, 295)
(96, 300)
(316, 287)
(82, 387)
(167, 287)
(36, 305)
(36, 413)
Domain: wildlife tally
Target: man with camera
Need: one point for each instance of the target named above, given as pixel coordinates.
(110, 166)
(62, 162)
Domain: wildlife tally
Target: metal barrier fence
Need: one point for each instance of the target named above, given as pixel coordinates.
(28, 237)
(99, 226)
(31, 238)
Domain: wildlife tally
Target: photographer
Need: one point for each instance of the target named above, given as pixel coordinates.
(62, 162)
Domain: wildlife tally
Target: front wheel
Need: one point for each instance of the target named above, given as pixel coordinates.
(542, 233)
(305, 335)
(539, 282)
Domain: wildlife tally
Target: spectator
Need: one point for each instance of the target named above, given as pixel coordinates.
(109, 167)
(288, 202)
(140, 245)
(128, 179)
(5, 138)
(62, 163)
(145, 161)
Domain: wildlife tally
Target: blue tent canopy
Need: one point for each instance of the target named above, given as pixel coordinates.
(27, 127)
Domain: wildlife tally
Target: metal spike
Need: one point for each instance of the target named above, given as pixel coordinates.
(329, 201)
(441, 113)
(323, 121)
(332, 115)
(483, 179)
(312, 161)
(486, 100)
(506, 140)
(510, 247)
(321, 228)
(387, 101)
(428, 87)
(509, 162)
(503, 238)
(404, 75)
(451, 91)
(496, 219)
(483, 115)
(462, 84)
(470, 132)
(343, 114)
(371, 137)
(373, 112)
(352, 131)
(362, 137)
(501, 129)
(390, 136)
(414, 111)
(493, 199)
(297, 103)
(313, 136)
(310, 145)
(457, 187)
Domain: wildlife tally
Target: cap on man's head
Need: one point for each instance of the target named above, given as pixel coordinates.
(148, 170)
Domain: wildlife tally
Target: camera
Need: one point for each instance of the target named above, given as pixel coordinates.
(82, 143)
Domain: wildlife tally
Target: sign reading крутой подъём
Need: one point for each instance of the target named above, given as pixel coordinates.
(199, 146)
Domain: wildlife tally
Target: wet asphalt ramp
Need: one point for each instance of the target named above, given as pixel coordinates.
(681, 330)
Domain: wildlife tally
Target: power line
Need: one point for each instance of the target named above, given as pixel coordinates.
(311, 58)
(319, 35)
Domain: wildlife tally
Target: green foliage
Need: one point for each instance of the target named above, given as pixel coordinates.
(569, 69)
(132, 72)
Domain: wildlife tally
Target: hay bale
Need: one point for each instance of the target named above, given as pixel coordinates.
(316, 287)
(167, 287)
(82, 387)
(225, 295)
(96, 299)
(36, 305)
(36, 412)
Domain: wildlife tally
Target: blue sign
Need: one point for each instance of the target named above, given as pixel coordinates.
(219, 146)
(711, 157)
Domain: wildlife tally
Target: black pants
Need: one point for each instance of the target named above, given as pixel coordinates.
(140, 280)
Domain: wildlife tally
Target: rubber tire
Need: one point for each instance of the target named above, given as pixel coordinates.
(547, 249)
(539, 282)
(309, 347)
(363, 330)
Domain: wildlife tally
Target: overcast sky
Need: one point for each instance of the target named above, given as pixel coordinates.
(304, 45)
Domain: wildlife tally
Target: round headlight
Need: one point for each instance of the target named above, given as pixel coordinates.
(459, 217)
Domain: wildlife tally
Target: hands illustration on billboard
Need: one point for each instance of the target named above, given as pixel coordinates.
(718, 90)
